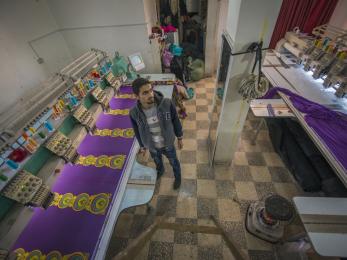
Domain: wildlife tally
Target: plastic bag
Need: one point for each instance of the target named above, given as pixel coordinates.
(167, 58)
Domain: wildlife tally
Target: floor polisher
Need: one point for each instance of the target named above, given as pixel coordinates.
(266, 219)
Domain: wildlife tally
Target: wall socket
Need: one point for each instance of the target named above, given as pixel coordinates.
(40, 60)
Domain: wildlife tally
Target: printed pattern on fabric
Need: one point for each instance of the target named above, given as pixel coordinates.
(116, 112)
(130, 96)
(95, 204)
(118, 132)
(53, 255)
(114, 161)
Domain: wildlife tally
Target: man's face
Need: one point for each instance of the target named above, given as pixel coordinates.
(146, 95)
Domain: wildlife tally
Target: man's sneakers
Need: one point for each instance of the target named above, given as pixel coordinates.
(177, 184)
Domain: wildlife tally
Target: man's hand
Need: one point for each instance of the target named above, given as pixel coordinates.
(142, 151)
(180, 144)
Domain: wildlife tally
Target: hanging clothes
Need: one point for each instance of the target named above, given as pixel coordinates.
(177, 68)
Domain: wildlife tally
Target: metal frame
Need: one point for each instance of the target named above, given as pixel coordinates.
(331, 159)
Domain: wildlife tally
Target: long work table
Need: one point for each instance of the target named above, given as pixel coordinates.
(301, 82)
(91, 193)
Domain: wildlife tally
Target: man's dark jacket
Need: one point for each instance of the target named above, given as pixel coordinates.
(168, 119)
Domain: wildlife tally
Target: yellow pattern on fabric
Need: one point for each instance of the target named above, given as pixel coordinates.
(115, 112)
(95, 204)
(53, 255)
(118, 132)
(114, 161)
(131, 96)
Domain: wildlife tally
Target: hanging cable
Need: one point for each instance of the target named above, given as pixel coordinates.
(254, 86)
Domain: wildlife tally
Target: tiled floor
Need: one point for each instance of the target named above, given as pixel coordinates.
(225, 193)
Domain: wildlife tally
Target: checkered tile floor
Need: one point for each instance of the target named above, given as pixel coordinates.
(225, 193)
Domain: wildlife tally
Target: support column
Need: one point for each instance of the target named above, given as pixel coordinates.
(250, 20)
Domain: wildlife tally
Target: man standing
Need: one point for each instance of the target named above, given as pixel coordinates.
(156, 124)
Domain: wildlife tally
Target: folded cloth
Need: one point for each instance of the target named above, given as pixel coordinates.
(328, 124)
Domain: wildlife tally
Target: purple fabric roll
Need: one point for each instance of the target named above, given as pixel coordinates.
(104, 145)
(67, 230)
(328, 124)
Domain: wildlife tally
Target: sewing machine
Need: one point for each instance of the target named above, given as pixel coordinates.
(338, 68)
(340, 84)
(342, 89)
(322, 55)
(85, 117)
(28, 189)
(295, 43)
(315, 55)
(115, 82)
(303, 46)
(320, 67)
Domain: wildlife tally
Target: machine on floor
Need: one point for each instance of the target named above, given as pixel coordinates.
(266, 219)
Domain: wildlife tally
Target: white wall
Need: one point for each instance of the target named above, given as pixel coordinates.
(84, 13)
(233, 17)
(150, 14)
(250, 24)
(110, 25)
(211, 37)
(62, 30)
(21, 22)
(222, 26)
(339, 17)
(222, 15)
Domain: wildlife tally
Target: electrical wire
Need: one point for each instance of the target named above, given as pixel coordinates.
(249, 89)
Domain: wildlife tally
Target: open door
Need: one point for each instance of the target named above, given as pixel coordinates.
(222, 81)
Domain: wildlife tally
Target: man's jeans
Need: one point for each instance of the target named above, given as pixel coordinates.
(170, 153)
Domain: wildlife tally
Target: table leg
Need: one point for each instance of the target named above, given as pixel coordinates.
(257, 130)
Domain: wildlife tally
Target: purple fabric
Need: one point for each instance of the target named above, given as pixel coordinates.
(104, 145)
(126, 89)
(331, 126)
(167, 58)
(112, 122)
(116, 121)
(121, 103)
(66, 230)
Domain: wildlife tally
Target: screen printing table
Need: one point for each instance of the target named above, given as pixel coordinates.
(301, 82)
(82, 227)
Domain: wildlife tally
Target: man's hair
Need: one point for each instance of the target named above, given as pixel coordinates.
(138, 83)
